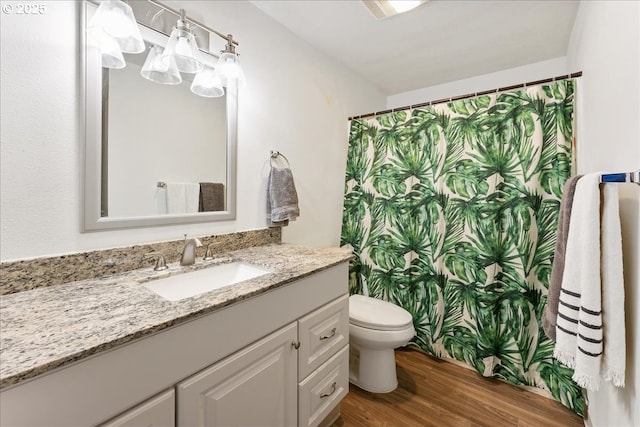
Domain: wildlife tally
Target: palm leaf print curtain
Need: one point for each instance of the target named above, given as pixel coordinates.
(452, 212)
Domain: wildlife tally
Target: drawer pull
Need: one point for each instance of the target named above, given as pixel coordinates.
(333, 390)
(295, 344)
(330, 335)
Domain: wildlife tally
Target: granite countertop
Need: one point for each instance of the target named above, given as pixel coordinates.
(45, 328)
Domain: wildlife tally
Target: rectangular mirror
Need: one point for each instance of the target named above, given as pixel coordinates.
(142, 137)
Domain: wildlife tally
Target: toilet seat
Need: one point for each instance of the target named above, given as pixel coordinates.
(372, 313)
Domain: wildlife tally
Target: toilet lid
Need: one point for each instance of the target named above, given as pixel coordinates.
(377, 314)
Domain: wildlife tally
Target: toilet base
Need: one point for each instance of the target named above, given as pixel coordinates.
(373, 370)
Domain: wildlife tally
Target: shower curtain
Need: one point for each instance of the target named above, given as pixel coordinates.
(452, 212)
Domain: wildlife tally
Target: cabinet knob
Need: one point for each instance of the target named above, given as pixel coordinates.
(295, 344)
(329, 335)
(333, 390)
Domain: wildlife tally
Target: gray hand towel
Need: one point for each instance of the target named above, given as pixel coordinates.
(555, 282)
(211, 197)
(282, 198)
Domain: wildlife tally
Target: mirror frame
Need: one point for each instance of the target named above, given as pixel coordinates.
(91, 119)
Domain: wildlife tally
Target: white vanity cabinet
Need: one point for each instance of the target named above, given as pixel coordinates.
(253, 387)
(158, 411)
(323, 361)
(321, 334)
(278, 358)
(321, 392)
(295, 376)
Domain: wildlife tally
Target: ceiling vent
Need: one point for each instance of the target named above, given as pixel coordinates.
(382, 9)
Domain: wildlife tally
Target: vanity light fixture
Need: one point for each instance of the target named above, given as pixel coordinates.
(115, 18)
(228, 65)
(182, 47)
(110, 52)
(114, 29)
(156, 70)
(207, 83)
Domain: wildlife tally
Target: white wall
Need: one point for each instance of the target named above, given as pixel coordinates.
(296, 101)
(605, 45)
(513, 76)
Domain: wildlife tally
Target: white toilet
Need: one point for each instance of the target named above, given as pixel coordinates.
(376, 328)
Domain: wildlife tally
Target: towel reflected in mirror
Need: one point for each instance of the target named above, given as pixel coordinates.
(212, 197)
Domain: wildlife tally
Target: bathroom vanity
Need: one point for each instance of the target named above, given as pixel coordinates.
(268, 351)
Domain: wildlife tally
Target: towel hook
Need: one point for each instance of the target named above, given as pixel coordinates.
(275, 154)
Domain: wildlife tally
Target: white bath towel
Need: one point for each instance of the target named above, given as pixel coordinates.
(589, 332)
(614, 356)
(182, 197)
(192, 197)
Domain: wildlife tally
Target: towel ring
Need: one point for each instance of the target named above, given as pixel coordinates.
(275, 155)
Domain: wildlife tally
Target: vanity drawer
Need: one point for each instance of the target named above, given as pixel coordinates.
(321, 391)
(321, 334)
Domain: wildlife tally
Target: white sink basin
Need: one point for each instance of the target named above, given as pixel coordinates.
(180, 286)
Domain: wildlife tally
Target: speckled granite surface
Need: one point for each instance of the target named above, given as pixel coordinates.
(48, 327)
(21, 276)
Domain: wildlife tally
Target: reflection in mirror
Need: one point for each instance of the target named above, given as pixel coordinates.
(158, 133)
(139, 134)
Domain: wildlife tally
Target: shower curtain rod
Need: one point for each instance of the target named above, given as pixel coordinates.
(470, 95)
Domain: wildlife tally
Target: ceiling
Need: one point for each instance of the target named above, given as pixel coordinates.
(440, 41)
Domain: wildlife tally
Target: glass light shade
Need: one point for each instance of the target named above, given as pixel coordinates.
(116, 18)
(183, 48)
(228, 67)
(110, 52)
(155, 70)
(207, 83)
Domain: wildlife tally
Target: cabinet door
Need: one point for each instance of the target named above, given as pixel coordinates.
(254, 387)
(321, 334)
(158, 411)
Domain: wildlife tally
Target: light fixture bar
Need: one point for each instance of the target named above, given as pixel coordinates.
(194, 22)
(182, 54)
(177, 14)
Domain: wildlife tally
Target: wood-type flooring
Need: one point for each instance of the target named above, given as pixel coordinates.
(433, 392)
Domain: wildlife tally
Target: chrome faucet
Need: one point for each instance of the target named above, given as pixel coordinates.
(189, 251)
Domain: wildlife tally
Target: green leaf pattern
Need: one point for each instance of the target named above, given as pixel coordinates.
(452, 212)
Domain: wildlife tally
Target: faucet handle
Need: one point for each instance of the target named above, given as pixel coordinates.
(160, 263)
(208, 255)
